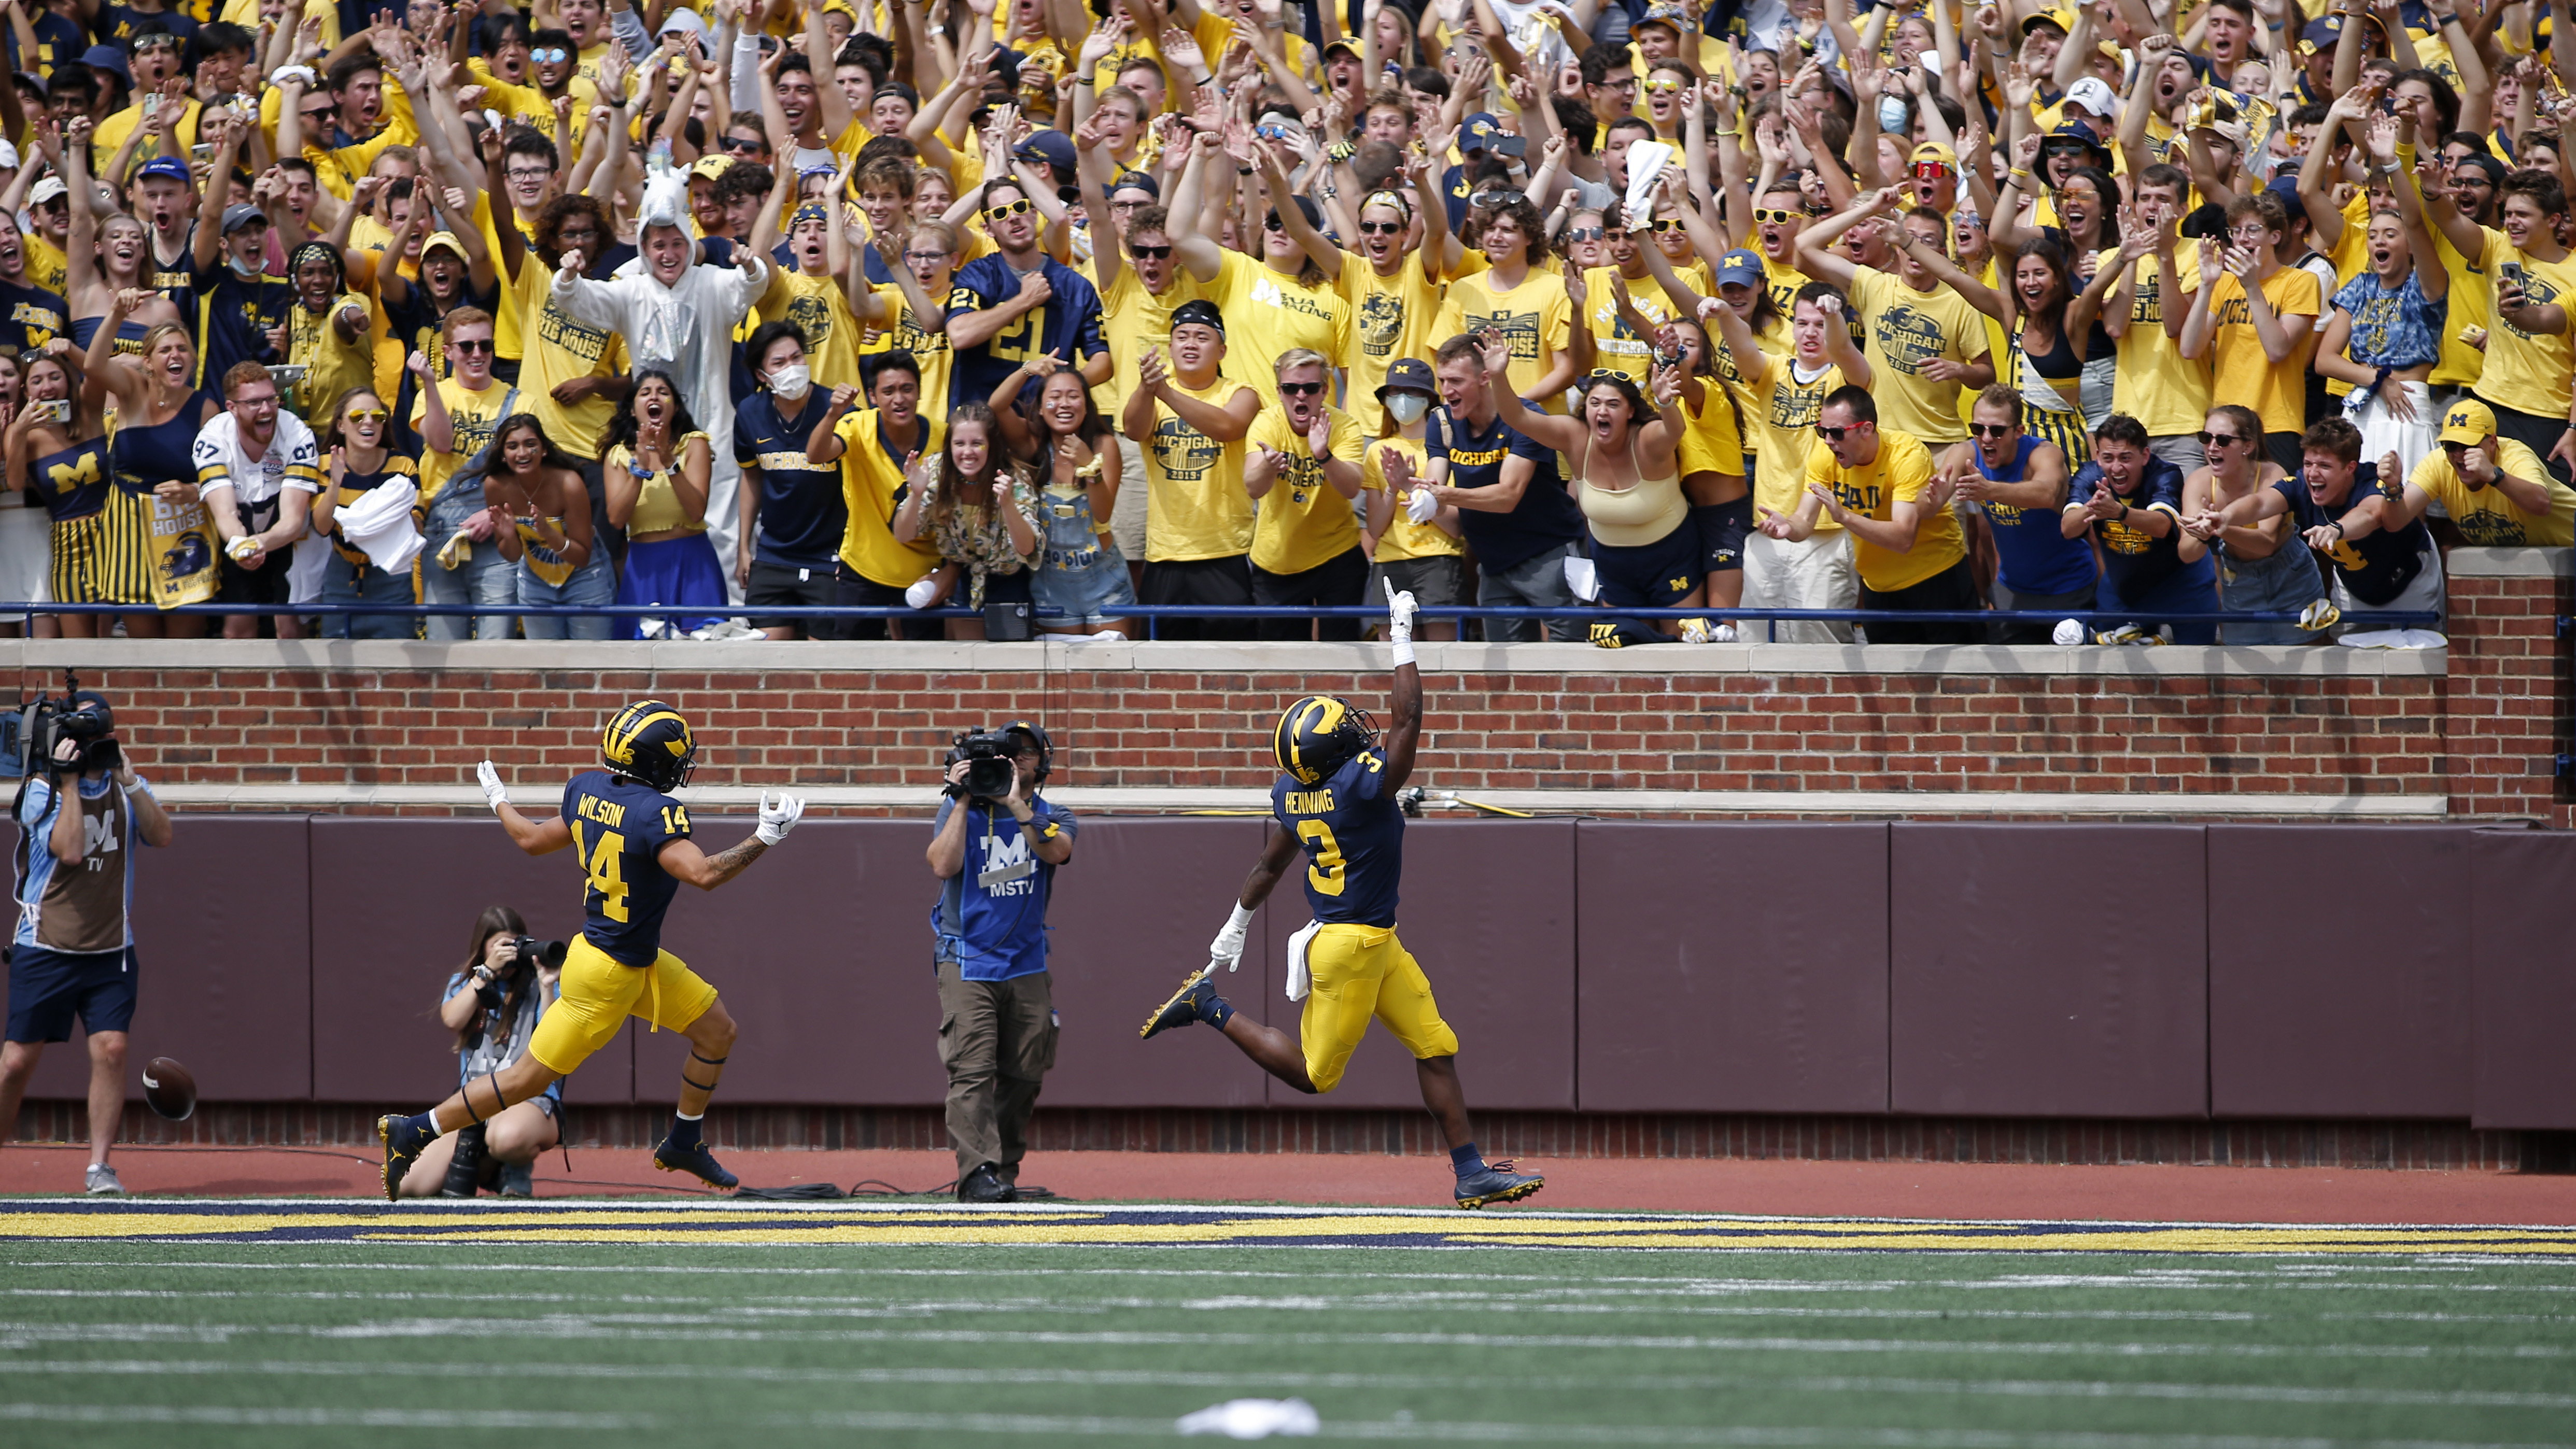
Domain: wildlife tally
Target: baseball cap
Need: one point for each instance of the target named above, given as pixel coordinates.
(46, 190)
(1482, 132)
(710, 168)
(33, 81)
(241, 214)
(2468, 421)
(108, 57)
(1201, 311)
(2061, 16)
(1406, 373)
(436, 240)
(1055, 148)
(1740, 267)
(2495, 169)
(1933, 153)
(2093, 95)
(1343, 43)
(1675, 16)
(1136, 181)
(2287, 188)
(170, 167)
(2321, 34)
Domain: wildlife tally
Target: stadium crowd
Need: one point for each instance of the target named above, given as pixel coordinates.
(2152, 305)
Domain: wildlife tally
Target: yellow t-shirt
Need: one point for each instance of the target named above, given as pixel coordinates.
(333, 366)
(2241, 372)
(822, 309)
(1391, 317)
(561, 349)
(111, 133)
(1303, 521)
(1906, 330)
(473, 415)
(1713, 440)
(1267, 314)
(1783, 421)
(47, 268)
(929, 349)
(1536, 316)
(2165, 391)
(530, 105)
(1774, 339)
(1195, 506)
(1782, 281)
(1901, 473)
(2472, 302)
(1133, 319)
(2352, 249)
(1405, 538)
(872, 487)
(2528, 371)
(2485, 516)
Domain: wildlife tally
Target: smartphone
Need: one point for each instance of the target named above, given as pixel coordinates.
(201, 153)
(2511, 272)
(59, 409)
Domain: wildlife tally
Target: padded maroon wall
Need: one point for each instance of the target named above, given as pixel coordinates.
(1733, 968)
(2048, 971)
(2522, 961)
(1488, 910)
(2338, 971)
(223, 950)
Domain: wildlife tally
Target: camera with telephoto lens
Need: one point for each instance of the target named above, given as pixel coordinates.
(987, 754)
(527, 952)
(30, 737)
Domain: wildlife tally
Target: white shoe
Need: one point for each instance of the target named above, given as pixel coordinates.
(102, 1181)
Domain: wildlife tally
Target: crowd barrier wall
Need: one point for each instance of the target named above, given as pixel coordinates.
(1869, 969)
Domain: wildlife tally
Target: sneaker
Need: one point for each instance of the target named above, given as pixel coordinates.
(1497, 1183)
(1186, 1006)
(518, 1180)
(695, 1160)
(403, 1142)
(102, 1181)
(985, 1185)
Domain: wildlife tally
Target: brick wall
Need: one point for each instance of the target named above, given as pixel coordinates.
(2505, 697)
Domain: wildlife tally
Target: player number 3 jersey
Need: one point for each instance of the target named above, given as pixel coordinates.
(619, 827)
(1353, 836)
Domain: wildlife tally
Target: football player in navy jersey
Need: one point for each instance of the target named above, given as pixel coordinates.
(632, 841)
(1335, 805)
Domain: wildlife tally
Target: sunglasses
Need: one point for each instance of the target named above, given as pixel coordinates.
(1014, 208)
(1150, 254)
(470, 346)
(1931, 170)
(1776, 216)
(1396, 228)
(1584, 233)
(2220, 440)
(155, 41)
(367, 415)
(1300, 389)
(318, 113)
(933, 256)
(1662, 85)
(2065, 148)
(1271, 223)
(1668, 223)
(739, 146)
(1992, 430)
(1830, 434)
(551, 55)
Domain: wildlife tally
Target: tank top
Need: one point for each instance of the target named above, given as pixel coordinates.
(657, 503)
(147, 457)
(73, 483)
(1643, 513)
(129, 335)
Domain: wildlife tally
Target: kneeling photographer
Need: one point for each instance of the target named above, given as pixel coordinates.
(996, 846)
(80, 810)
(493, 1004)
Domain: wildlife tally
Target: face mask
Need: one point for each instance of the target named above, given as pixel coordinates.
(245, 269)
(1407, 408)
(1891, 114)
(792, 381)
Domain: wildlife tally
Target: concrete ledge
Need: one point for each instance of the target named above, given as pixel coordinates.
(326, 798)
(2509, 563)
(2176, 661)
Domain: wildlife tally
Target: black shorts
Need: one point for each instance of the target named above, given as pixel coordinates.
(1954, 588)
(857, 591)
(774, 586)
(1439, 578)
(263, 585)
(48, 988)
(1199, 581)
(1341, 579)
(1722, 530)
(1656, 575)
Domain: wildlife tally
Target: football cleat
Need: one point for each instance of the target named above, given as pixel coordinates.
(2320, 616)
(403, 1142)
(1185, 1006)
(695, 1160)
(1497, 1183)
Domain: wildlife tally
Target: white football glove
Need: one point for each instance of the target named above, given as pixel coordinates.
(1227, 949)
(1421, 507)
(779, 818)
(495, 794)
(922, 592)
(1399, 621)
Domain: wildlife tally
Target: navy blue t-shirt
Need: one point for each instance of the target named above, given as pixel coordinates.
(991, 916)
(30, 317)
(1068, 325)
(2132, 559)
(2377, 566)
(1546, 516)
(2034, 554)
(1353, 834)
(802, 514)
(619, 827)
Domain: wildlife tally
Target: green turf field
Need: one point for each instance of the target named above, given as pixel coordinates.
(161, 1324)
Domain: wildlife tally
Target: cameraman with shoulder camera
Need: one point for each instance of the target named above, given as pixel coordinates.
(493, 1004)
(996, 845)
(73, 951)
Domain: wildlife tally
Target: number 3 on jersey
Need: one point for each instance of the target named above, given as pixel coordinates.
(1326, 873)
(604, 863)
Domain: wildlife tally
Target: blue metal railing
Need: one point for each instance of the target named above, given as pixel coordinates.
(1153, 614)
